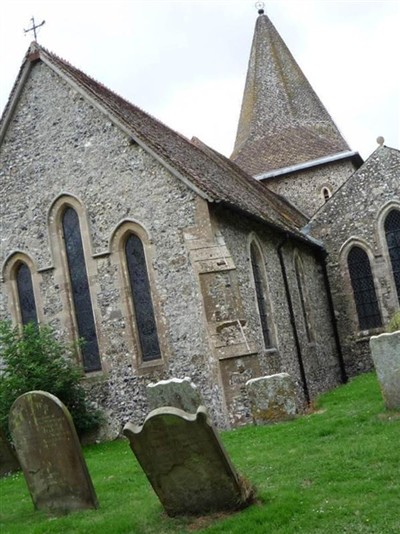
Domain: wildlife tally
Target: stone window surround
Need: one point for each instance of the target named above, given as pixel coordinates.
(343, 257)
(303, 296)
(382, 214)
(118, 258)
(254, 239)
(10, 267)
(61, 270)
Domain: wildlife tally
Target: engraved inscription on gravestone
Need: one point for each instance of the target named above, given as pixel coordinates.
(186, 463)
(50, 454)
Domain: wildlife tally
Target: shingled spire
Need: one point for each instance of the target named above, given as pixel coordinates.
(282, 121)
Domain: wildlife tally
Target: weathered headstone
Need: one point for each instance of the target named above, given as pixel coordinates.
(385, 351)
(186, 463)
(272, 398)
(8, 460)
(177, 392)
(50, 454)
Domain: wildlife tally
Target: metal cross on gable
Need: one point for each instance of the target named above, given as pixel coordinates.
(34, 27)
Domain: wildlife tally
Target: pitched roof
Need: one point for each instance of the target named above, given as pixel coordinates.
(211, 175)
(282, 121)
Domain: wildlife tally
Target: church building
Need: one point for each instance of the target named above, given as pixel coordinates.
(171, 260)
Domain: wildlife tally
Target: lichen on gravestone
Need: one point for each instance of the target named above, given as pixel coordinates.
(186, 464)
(50, 454)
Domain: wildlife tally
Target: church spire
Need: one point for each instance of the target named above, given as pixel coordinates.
(282, 121)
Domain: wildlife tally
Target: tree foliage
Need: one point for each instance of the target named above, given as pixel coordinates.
(33, 359)
(394, 323)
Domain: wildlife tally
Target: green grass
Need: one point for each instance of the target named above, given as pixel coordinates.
(334, 471)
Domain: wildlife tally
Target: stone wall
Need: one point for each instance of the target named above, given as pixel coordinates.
(355, 216)
(320, 354)
(60, 148)
(304, 188)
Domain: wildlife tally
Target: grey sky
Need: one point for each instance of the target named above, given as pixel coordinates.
(185, 61)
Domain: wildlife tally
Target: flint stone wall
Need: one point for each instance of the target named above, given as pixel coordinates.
(58, 143)
(355, 213)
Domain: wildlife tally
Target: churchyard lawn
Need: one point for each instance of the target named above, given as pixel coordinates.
(336, 470)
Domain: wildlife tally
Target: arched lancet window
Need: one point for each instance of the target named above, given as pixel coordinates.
(392, 232)
(298, 267)
(363, 289)
(80, 290)
(26, 297)
(259, 283)
(141, 297)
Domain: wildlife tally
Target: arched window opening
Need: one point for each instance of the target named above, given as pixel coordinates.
(256, 264)
(303, 302)
(326, 193)
(363, 289)
(26, 296)
(80, 290)
(392, 232)
(141, 297)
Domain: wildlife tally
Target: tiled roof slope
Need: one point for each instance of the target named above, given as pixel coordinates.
(282, 121)
(215, 177)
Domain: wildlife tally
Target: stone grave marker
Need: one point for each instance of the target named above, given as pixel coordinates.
(8, 460)
(177, 392)
(186, 463)
(272, 398)
(385, 351)
(50, 454)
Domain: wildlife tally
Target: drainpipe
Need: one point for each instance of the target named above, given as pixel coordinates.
(293, 321)
(343, 373)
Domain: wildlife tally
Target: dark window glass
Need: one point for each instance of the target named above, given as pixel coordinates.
(363, 289)
(392, 231)
(25, 294)
(304, 308)
(256, 264)
(141, 296)
(80, 290)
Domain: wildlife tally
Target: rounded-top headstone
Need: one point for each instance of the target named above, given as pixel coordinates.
(50, 454)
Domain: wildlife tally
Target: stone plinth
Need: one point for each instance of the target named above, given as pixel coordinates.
(385, 351)
(272, 398)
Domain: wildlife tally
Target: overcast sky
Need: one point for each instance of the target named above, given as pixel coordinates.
(185, 61)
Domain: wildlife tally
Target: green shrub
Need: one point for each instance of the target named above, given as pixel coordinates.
(394, 323)
(35, 360)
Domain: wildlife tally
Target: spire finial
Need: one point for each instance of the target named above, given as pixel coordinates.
(34, 27)
(260, 7)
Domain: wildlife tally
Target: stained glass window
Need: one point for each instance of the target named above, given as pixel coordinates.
(256, 264)
(26, 297)
(303, 303)
(363, 289)
(80, 290)
(141, 296)
(392, 231)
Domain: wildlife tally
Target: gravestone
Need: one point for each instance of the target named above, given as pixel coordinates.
(186, 463)
(385, 351)
(177, 392)
(8, 460)
(50, 454)
(272, 398)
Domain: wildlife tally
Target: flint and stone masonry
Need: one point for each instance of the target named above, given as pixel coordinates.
(61, 150)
